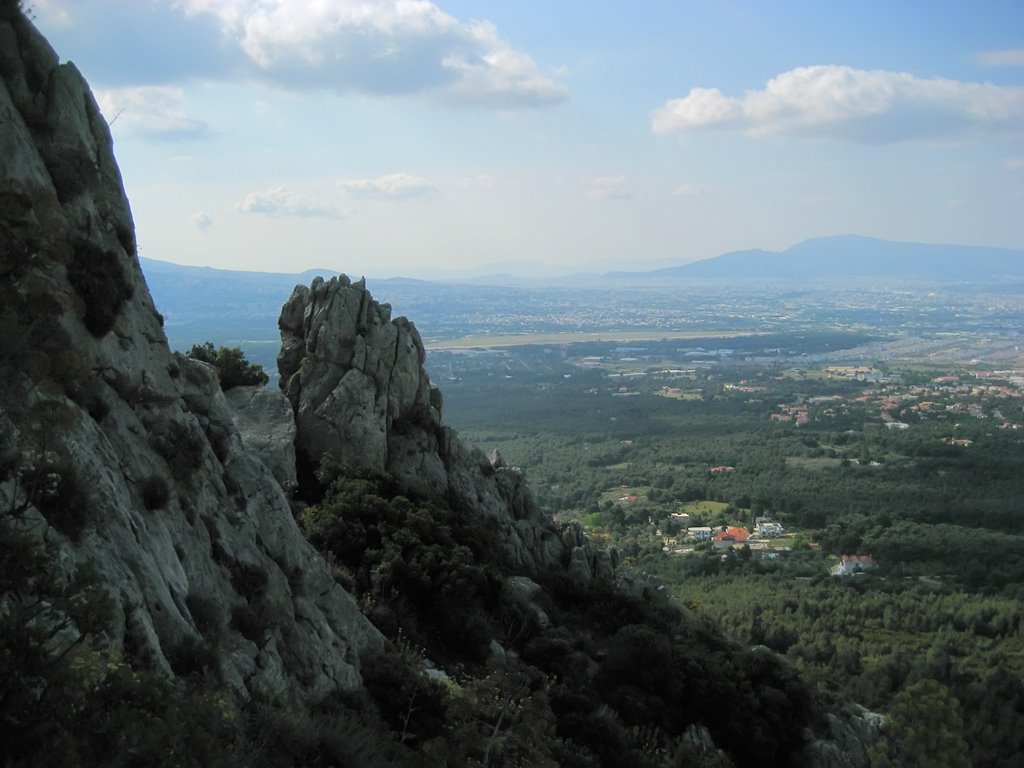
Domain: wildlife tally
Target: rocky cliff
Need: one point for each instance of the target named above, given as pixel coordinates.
(180, 492)
(119, 453)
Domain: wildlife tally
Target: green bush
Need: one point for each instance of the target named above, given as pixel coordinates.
(155, 493)
(191, 656)
(410, 703)
(180, 446)
(249, 581)
(417, 564)
(54, 488)
(232, 367)
(248, 622)
(205, 614)
(100, 281)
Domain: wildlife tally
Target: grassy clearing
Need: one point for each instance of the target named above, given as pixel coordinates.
(616, 493)
(694, 394)
(704, 506)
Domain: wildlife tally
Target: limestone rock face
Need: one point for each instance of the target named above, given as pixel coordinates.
(356, 381)
(263, 418)
(148, 479)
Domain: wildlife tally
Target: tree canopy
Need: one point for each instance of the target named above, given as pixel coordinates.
(232, 367)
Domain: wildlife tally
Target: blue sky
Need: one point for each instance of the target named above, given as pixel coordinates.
(386, 137)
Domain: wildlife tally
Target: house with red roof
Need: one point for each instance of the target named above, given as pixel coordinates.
(731, 536)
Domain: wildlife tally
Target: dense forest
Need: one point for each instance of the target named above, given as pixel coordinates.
(934, 502)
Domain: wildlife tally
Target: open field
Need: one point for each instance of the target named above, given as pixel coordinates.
(682, 394)
(704, 506)
(522, 339)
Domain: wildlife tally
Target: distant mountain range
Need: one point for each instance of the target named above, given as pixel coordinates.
(240, 308)
(243, 306)
(845, 256)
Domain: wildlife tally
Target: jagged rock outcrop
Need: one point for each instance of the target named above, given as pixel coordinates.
(355, 378)
(120, 455)
(847, 735)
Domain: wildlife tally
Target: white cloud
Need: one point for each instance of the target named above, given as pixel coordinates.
(498, 75)
(282, 202)
(50, 13)
(380, 47)
(393, 186)
(608, 188)
(130, 43)
(152, 112)
(201, 221)
(1014, 164)
(688, 190)
(1011, 57)
(851, 104)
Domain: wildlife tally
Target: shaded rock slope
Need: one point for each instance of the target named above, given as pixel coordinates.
(120, 454)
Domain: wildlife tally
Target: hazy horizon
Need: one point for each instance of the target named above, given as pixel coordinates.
(396, 138)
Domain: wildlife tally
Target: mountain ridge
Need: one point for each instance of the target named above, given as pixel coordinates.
(817, 258)
(840, 256)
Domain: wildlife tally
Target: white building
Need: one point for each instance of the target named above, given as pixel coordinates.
(766, 528)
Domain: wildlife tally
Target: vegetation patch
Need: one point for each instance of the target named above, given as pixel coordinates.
(68, 700)
(233, 369)
(206, 615)
(155, 492)
(191, 657)
(181, 447)
(55, 489)
(610, 679)
(99, 279)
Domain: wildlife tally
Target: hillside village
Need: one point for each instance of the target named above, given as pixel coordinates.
(839, 414)
(895, 399)
(946, 397)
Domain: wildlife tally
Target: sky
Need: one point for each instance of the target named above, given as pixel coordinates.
(404, 137)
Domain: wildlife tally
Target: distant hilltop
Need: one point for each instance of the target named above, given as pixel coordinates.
(195, 289)
(844, 256)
